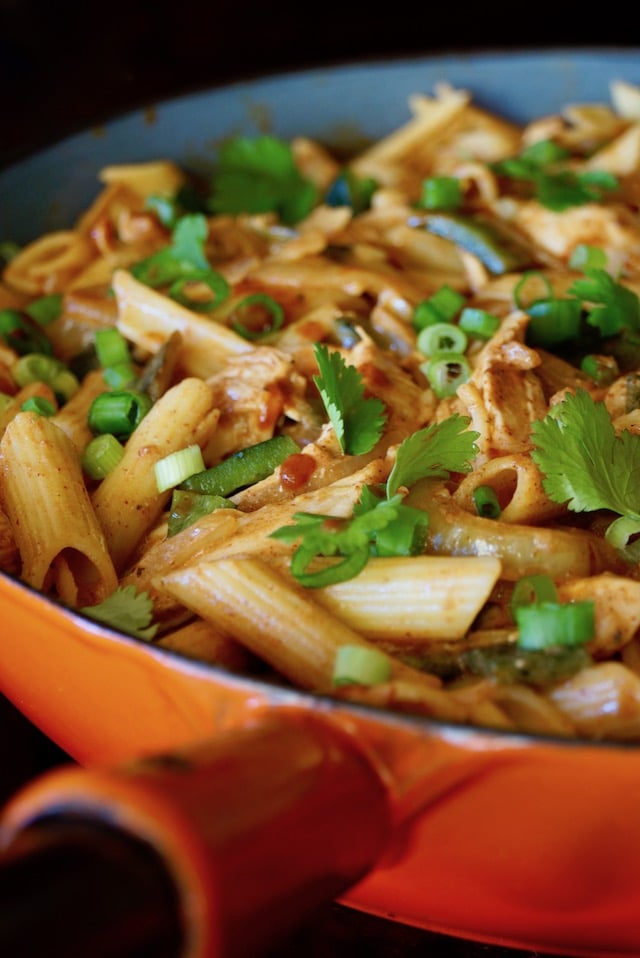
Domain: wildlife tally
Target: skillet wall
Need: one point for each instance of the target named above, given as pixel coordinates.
(67, 65)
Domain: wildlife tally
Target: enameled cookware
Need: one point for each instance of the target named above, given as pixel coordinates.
(275, 800)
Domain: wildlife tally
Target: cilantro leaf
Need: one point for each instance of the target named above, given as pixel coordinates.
(618, 307)
(435, 451)
(354, 539)
(184, 256)
(259, 175)
(126, 610)
(358, 422)
(585, 464)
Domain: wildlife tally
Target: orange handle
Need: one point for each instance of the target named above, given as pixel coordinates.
(256, 829)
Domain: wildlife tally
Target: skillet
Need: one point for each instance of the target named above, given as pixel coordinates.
(274, 799)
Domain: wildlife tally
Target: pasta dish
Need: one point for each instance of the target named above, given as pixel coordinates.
(368, 425)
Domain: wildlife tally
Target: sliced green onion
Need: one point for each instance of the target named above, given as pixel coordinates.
(178, 466)
(479, 237)
(112, 348)
(40, 405)
(46, 309)
(119, 412)
(445, 372)
(101, 455)
(442, 307)
(478, 323)
(441, 338)
(181, 287)
(360, 665)
(264, 316)
(530, 288)
(551, 624)
(243, 468)
(441, 193)
(342, 570)
(585, 257)
(187, 507)
(602, 369)
(23, 334)
(531, 589)
(486, 502)
(121, 375)
(621, 530)
(348, 189)
(553, 321)
(36, 367)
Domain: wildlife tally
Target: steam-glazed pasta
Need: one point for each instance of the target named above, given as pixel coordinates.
(371, 428)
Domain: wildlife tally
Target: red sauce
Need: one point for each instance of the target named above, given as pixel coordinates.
(296, 470)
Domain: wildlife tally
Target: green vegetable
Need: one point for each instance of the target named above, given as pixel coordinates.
(243, 468)
(478, 323)
(358, 422)
(216, 283)
(348, 189)
(553, 185)
(441, 338)
(360, 665)
(40, 405)
(174, 468)
(539, 668)
(479, 237)
(23, 334)
(187, 507)
(112, 348)
(127, 611)
(45, 309)
(544, 625)
(441, 193)
(445, 372)
(119, 412)
(616, 306)
(586, 465)
(442, 307)
(434, 453)
(101, 455)
(182, 261)
(259, 175)
(380, 526)
(486, 502)
(36, 367)
(263, 314)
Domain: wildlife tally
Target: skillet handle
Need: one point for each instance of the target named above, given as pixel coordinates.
(240, 840)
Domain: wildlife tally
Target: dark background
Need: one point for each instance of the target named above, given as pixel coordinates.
(66, 66)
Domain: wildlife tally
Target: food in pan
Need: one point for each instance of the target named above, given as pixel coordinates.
(367, 425)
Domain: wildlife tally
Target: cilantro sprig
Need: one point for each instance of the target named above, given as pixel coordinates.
(587, 465)
(127, 611)
(358, 422)
(553, 183)
(185, 254)
(381, 523)
(259, 175)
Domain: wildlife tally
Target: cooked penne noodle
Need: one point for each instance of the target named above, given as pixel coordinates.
(127, 502)
(404, 600)
(46, 501)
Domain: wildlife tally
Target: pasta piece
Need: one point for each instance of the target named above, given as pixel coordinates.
(46, 501)
(602, 702)
(127, 501)
(402, 600)
(285, 627)
(48, 263)
(517, 483)
(204, 642)
(72, 416)
(617, 609)
(148, 319)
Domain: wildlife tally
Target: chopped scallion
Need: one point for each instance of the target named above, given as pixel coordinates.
(173, 469)
(486, 502)
(441, 193)
(478, 323)
(119, 412)
(256, 316)
(112, 349)
(40, 405)
(442, 307)
(101, 455)
(183, 288)
(360, 665)
(445, 372)
(551, 624)
(441, 338)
